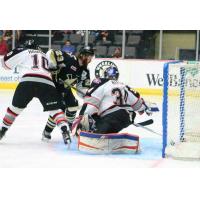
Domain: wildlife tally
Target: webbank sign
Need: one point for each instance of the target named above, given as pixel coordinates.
(154, 79)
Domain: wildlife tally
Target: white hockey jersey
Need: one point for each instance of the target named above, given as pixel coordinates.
(28, 61)
(106, 96)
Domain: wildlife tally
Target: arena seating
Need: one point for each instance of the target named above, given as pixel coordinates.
(133, 39)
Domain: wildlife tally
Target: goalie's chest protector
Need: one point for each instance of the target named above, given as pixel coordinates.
(111, 93)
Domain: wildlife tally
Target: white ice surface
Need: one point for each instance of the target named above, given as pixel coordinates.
(22, 146)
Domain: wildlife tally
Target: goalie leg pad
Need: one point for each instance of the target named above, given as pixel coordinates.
(108, 143)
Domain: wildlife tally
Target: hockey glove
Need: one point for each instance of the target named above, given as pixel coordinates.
(145, 108)
(148, 111)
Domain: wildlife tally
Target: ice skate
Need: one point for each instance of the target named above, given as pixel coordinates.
(2, 132)
(66, 136)
(46, 136)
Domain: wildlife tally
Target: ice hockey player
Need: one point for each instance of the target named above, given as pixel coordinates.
(37, 82)
(109, 106)
(71, 71)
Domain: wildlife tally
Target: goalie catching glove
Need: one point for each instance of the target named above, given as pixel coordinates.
(145, 108)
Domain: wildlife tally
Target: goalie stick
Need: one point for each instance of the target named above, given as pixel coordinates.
(144, 123)
(151, 130)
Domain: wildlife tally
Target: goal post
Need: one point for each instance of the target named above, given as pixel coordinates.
(181, 110)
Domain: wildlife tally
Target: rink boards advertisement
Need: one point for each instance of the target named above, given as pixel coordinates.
(144, 75)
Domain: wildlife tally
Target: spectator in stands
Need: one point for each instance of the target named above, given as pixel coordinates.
(3, 46)
(95, 33)
(81, 32)
(106, 37)
(20, 37)
(117, 53)
(7, 36)
(68, 32)
(58, 35)
(68, 48)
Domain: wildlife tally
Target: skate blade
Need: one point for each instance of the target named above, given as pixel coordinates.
(45, 140)
(68, 146)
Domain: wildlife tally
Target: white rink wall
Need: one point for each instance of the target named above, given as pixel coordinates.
(145, 76)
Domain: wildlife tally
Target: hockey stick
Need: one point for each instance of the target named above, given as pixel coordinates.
(77, 90)
(69, 85)
(144, 123)
(152, 131)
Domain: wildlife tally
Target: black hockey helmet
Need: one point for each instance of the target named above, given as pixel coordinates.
(111, 73)
(86, 50)
(31, 44)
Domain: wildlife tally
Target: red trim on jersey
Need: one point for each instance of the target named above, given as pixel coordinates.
(7, 121)
(37, 75)
(136, 102)
(108, 109)
(92, 105)
(61, 120)
(11, 112)
(92, 97)
(5, 66)
(60, 113)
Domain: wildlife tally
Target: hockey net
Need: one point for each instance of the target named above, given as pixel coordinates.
(181, 110)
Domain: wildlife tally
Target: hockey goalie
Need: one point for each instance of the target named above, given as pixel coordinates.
(109, 106)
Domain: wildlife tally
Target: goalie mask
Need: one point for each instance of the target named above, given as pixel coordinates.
(111, 73)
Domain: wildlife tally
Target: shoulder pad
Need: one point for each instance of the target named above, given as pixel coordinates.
(98, 81)
(13, 53)
(137, 94)
(70, 56)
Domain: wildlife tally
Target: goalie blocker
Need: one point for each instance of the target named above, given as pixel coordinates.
(108, 143)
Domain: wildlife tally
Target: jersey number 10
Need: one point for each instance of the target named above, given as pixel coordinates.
(39, 61)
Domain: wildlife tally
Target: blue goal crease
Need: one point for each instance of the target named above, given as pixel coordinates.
(151, 149)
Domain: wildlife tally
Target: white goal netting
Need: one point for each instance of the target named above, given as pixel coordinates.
(181, 110)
